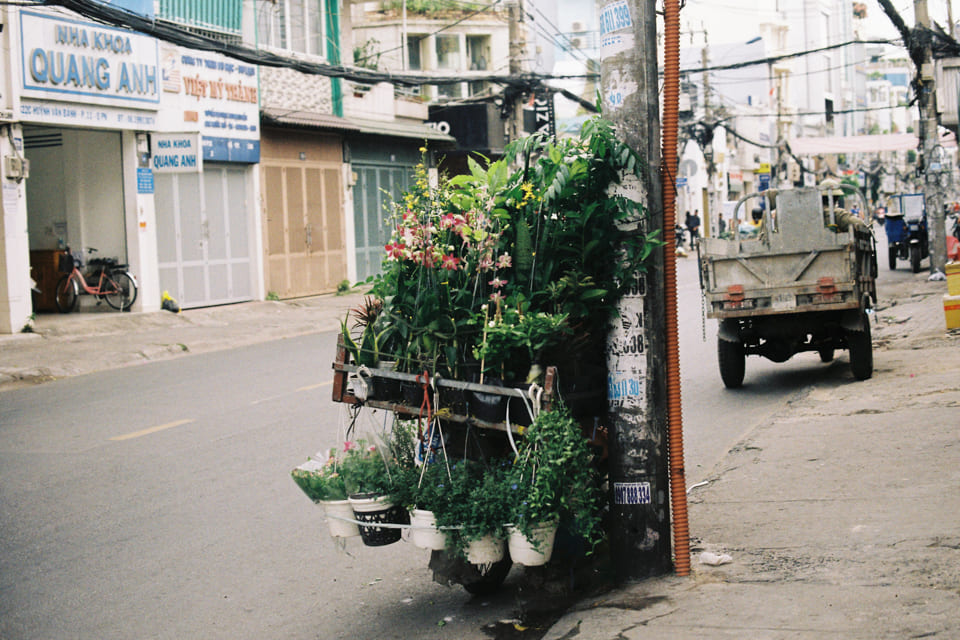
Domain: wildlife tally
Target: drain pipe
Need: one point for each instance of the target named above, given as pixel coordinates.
(671, 99)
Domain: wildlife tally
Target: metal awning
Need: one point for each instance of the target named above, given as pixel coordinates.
(398, 129)
(307, 120)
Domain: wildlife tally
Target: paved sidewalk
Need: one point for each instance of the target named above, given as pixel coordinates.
(841, 513)
(98, 338)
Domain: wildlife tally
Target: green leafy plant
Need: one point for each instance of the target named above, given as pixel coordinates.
(554, 236)
(367, 469)
(474, 503)
(554, 478)
(321, 481)
(273, 296)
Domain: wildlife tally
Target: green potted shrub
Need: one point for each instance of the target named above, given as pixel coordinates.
(553, 483)
(321, 480)
(474, 511)
(369, 473)
(424, 491)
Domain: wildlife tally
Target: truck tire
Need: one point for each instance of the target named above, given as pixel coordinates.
(892, 255)
(915, 258)
(732, 362)
(860, 345)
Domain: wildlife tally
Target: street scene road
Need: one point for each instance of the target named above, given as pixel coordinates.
(155, 501)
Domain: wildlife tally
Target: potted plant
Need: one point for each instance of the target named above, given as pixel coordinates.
(323, 483)
(475, 510)
(552, 483)
(369, 473)
(423, 491)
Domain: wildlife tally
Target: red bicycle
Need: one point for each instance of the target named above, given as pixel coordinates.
(112, 282)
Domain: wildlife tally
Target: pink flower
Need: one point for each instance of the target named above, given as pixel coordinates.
(450, 262)
(486, 263)
(372, 448)
(448, 221)
(503, 261)
(347, 446)
(496, 296)
(395, 250)
(497, 283)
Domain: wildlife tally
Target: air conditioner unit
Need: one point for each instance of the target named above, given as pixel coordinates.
(577, 42)
(577, 27)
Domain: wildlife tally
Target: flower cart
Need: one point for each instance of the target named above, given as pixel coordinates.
(487, 327)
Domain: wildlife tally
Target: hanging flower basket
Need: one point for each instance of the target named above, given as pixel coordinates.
(535, 552)
(335, 511)
(378, 510)
(485, 551)
(423, 531)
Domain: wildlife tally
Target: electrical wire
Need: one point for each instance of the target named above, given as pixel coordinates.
(784, 56)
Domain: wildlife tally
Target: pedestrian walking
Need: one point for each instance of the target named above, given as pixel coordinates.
(693, 226)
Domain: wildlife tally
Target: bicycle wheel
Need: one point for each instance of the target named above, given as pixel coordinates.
(67, 294)
(121, 290)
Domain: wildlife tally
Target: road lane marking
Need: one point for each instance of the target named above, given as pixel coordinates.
(161, 427)
(287, 393)
(315, 386)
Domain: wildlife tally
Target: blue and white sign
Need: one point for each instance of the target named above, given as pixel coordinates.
(75, 61)
(176, 153)
(214, 95)
(631, 493)
(144, 180)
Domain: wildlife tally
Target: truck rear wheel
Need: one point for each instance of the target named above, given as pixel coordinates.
(826, 354)
(732, 362)
(892, 255)
(860, 345)
(915, 257)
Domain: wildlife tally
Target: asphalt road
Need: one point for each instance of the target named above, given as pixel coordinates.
(155, 501)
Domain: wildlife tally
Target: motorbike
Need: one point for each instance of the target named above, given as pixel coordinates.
(906, 239)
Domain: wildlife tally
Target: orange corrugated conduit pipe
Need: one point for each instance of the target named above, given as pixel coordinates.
(671, 93)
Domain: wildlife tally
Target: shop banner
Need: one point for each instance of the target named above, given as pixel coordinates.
(176, 153)
(70, 60)
(214, 95)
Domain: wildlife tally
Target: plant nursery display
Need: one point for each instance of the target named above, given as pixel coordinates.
(484, 337)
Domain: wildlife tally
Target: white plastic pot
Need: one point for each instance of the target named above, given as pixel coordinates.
(524, 551)
(423, 531)
(485, 550)
(340, 509)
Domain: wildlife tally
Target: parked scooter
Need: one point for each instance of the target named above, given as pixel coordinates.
(907, 236)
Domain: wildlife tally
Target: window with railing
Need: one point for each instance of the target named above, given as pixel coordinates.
(291, 25)
(217, 17)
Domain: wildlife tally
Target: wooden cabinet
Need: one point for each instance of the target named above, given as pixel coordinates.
(45, 270)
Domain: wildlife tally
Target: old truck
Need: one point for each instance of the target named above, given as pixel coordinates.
(797, 285)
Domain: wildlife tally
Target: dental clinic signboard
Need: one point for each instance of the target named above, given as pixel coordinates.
(109, 78)
(175, 153)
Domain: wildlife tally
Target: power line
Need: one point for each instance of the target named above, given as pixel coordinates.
(108, 14)
(785, 56)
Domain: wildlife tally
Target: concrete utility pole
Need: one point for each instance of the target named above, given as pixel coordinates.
(930, 138)
(708, 205)
(640, 512)
(518, 47)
